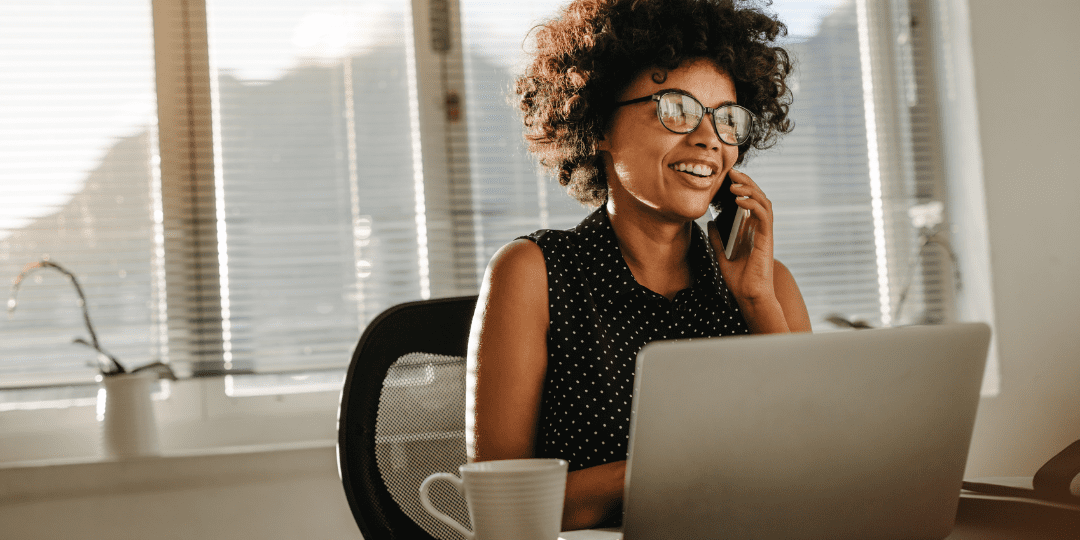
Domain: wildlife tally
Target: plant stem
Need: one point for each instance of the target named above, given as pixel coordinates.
(113, 366)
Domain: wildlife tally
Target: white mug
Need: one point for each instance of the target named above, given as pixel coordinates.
(520, 499)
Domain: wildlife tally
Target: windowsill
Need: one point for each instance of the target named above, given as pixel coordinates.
(196, 420)
(64, 478)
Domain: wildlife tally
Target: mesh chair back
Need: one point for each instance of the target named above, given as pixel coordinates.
(402, 418)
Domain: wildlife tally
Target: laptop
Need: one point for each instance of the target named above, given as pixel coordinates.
(853, 435)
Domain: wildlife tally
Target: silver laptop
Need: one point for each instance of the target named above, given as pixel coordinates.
(840, 436)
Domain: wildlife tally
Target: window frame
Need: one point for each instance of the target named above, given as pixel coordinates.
(199, 412)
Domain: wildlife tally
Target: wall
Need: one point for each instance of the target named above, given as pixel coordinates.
(289, 491)
(1027, 90)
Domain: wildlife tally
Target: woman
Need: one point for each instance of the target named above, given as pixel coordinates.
(609, 104)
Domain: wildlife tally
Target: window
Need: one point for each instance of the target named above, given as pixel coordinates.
(313, 111)
(513, 197)
(842, 197)
(319, 161)
(78, 186)
(862, 155)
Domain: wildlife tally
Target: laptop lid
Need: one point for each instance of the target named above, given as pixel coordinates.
(844, 435)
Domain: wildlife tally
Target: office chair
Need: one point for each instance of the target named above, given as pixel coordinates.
(402, 418)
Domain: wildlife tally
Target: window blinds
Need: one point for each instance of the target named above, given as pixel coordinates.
(317, 172)
(862, 155)
(318, 166)
(77, 164)
(820, 178)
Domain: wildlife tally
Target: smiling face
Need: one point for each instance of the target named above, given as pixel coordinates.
(650, 169)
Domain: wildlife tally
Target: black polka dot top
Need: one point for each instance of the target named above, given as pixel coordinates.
(600, 318)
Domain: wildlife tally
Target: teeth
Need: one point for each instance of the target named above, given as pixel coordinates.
(696, 170)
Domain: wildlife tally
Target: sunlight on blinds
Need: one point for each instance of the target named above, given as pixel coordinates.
(77, 163)
(873, 159)
(346, 167)
(862, 154)
(512, 196)
(840, 201)
(321, 194)
(423, 262)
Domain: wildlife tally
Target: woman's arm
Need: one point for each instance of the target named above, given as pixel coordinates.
(790, 298)
(593, 495)
(507, 364)
(507, 358)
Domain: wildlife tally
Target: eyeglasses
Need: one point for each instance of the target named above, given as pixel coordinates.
(682, 113)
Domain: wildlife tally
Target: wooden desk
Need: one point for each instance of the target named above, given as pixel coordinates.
(990, 517)
(978, 517)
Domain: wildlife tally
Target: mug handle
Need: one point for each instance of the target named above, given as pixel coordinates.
(426, 503)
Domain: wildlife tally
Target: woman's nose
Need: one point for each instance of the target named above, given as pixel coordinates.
(704, 135)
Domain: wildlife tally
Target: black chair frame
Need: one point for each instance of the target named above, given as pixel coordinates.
(439, 326)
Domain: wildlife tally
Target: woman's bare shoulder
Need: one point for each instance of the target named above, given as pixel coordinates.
(519, 264)
(519, 255)
(516, 282)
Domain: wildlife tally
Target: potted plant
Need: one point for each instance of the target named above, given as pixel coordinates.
(124, 409)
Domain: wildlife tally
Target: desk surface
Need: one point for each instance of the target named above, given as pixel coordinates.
(990, 517)
(978, 517)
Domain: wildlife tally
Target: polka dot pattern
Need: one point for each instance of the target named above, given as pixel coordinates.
(600, 318)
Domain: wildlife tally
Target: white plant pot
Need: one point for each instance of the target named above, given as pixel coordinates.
(125, 414)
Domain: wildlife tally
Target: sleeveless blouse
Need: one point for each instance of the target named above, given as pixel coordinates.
(600, 317)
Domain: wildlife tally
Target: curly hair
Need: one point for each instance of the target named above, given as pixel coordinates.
(587, 56)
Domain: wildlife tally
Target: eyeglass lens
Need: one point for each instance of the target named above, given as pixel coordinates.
(682, 114)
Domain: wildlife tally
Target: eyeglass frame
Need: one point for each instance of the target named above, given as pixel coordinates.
(707, 111)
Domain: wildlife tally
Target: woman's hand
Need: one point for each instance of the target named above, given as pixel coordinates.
(764, 289)
(593, 495)
(749, 273)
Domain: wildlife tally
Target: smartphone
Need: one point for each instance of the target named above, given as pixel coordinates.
(731, 221)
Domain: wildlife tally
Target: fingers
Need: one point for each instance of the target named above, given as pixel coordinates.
(739, 177)
(743, 179)
(750, 196)
(744, 186)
